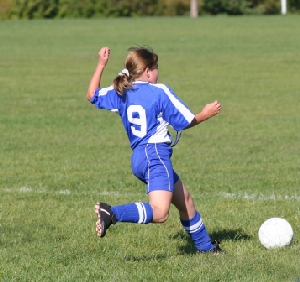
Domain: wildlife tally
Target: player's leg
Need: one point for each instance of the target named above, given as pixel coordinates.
(156, 211)
(191, 220)
(160, 202)
(153, 166)
(138, 212)
(183, 201)
(160, 180)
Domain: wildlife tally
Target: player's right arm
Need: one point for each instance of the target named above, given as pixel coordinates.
(103, 56)
(208, 111)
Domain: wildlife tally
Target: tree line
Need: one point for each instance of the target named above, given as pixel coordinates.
(51, 9)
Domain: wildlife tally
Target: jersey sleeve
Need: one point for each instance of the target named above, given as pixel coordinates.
(106, 98)
(175, 112)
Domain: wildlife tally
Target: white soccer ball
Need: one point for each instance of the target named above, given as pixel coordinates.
(275, 233)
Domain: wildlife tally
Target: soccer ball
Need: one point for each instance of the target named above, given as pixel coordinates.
(275, 233)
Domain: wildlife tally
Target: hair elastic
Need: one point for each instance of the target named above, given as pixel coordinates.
(124, 71)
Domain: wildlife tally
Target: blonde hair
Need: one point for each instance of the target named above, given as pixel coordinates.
(136, 62)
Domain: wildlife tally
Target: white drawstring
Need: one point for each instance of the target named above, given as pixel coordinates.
(178, 135)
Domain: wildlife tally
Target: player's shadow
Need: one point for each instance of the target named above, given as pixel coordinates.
(220, 235)
(230, 234)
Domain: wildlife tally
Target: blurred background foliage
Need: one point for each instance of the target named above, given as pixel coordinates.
(49, 9)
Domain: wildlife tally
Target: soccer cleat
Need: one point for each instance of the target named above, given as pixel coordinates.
(215, 251)
(105, 218)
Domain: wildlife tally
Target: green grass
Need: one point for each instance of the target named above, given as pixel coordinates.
(59, 155)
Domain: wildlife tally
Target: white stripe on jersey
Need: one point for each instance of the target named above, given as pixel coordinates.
(194, 228)
(103, 91)
(178, 105)
(142, 212)
(162, 133)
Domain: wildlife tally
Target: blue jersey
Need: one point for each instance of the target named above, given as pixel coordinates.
(146, 110)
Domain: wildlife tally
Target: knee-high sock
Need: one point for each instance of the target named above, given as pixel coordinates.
(134, 212)
(197, 231)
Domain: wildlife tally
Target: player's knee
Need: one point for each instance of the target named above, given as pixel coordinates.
(164, 217)
(160, 216)
(161, 219)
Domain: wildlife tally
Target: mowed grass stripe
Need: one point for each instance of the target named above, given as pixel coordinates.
(118, 194)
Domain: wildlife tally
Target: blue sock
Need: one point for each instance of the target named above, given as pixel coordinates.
(197, 231)
(134, 212)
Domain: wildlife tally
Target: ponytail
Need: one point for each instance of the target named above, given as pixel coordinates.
(122, 81)
(136, 62)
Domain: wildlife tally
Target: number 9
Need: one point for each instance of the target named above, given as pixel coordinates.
(140, 121)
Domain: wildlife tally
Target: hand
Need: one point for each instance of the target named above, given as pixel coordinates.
(95, 80)
(208, 111)
(212, 109)
(103, 56)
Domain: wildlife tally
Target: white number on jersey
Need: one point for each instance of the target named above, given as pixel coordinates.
(140, 121)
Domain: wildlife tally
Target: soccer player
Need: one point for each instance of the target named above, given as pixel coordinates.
(146, 109)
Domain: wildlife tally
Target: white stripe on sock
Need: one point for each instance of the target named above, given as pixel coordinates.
(144, 213)
(194, 228)
(141, 211)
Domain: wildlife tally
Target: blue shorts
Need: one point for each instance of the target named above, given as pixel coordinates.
(152, 165)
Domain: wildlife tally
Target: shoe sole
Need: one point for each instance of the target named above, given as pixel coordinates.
(102, 226)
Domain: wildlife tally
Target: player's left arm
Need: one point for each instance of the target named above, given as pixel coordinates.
(208, 111)
(103, 56)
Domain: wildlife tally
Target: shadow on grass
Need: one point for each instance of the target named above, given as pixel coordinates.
(145, 258)
(220, 235)
(229, 234)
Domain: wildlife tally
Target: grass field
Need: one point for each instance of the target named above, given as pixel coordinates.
(59, 155)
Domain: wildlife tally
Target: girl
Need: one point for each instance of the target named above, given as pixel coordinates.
(147, 109)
